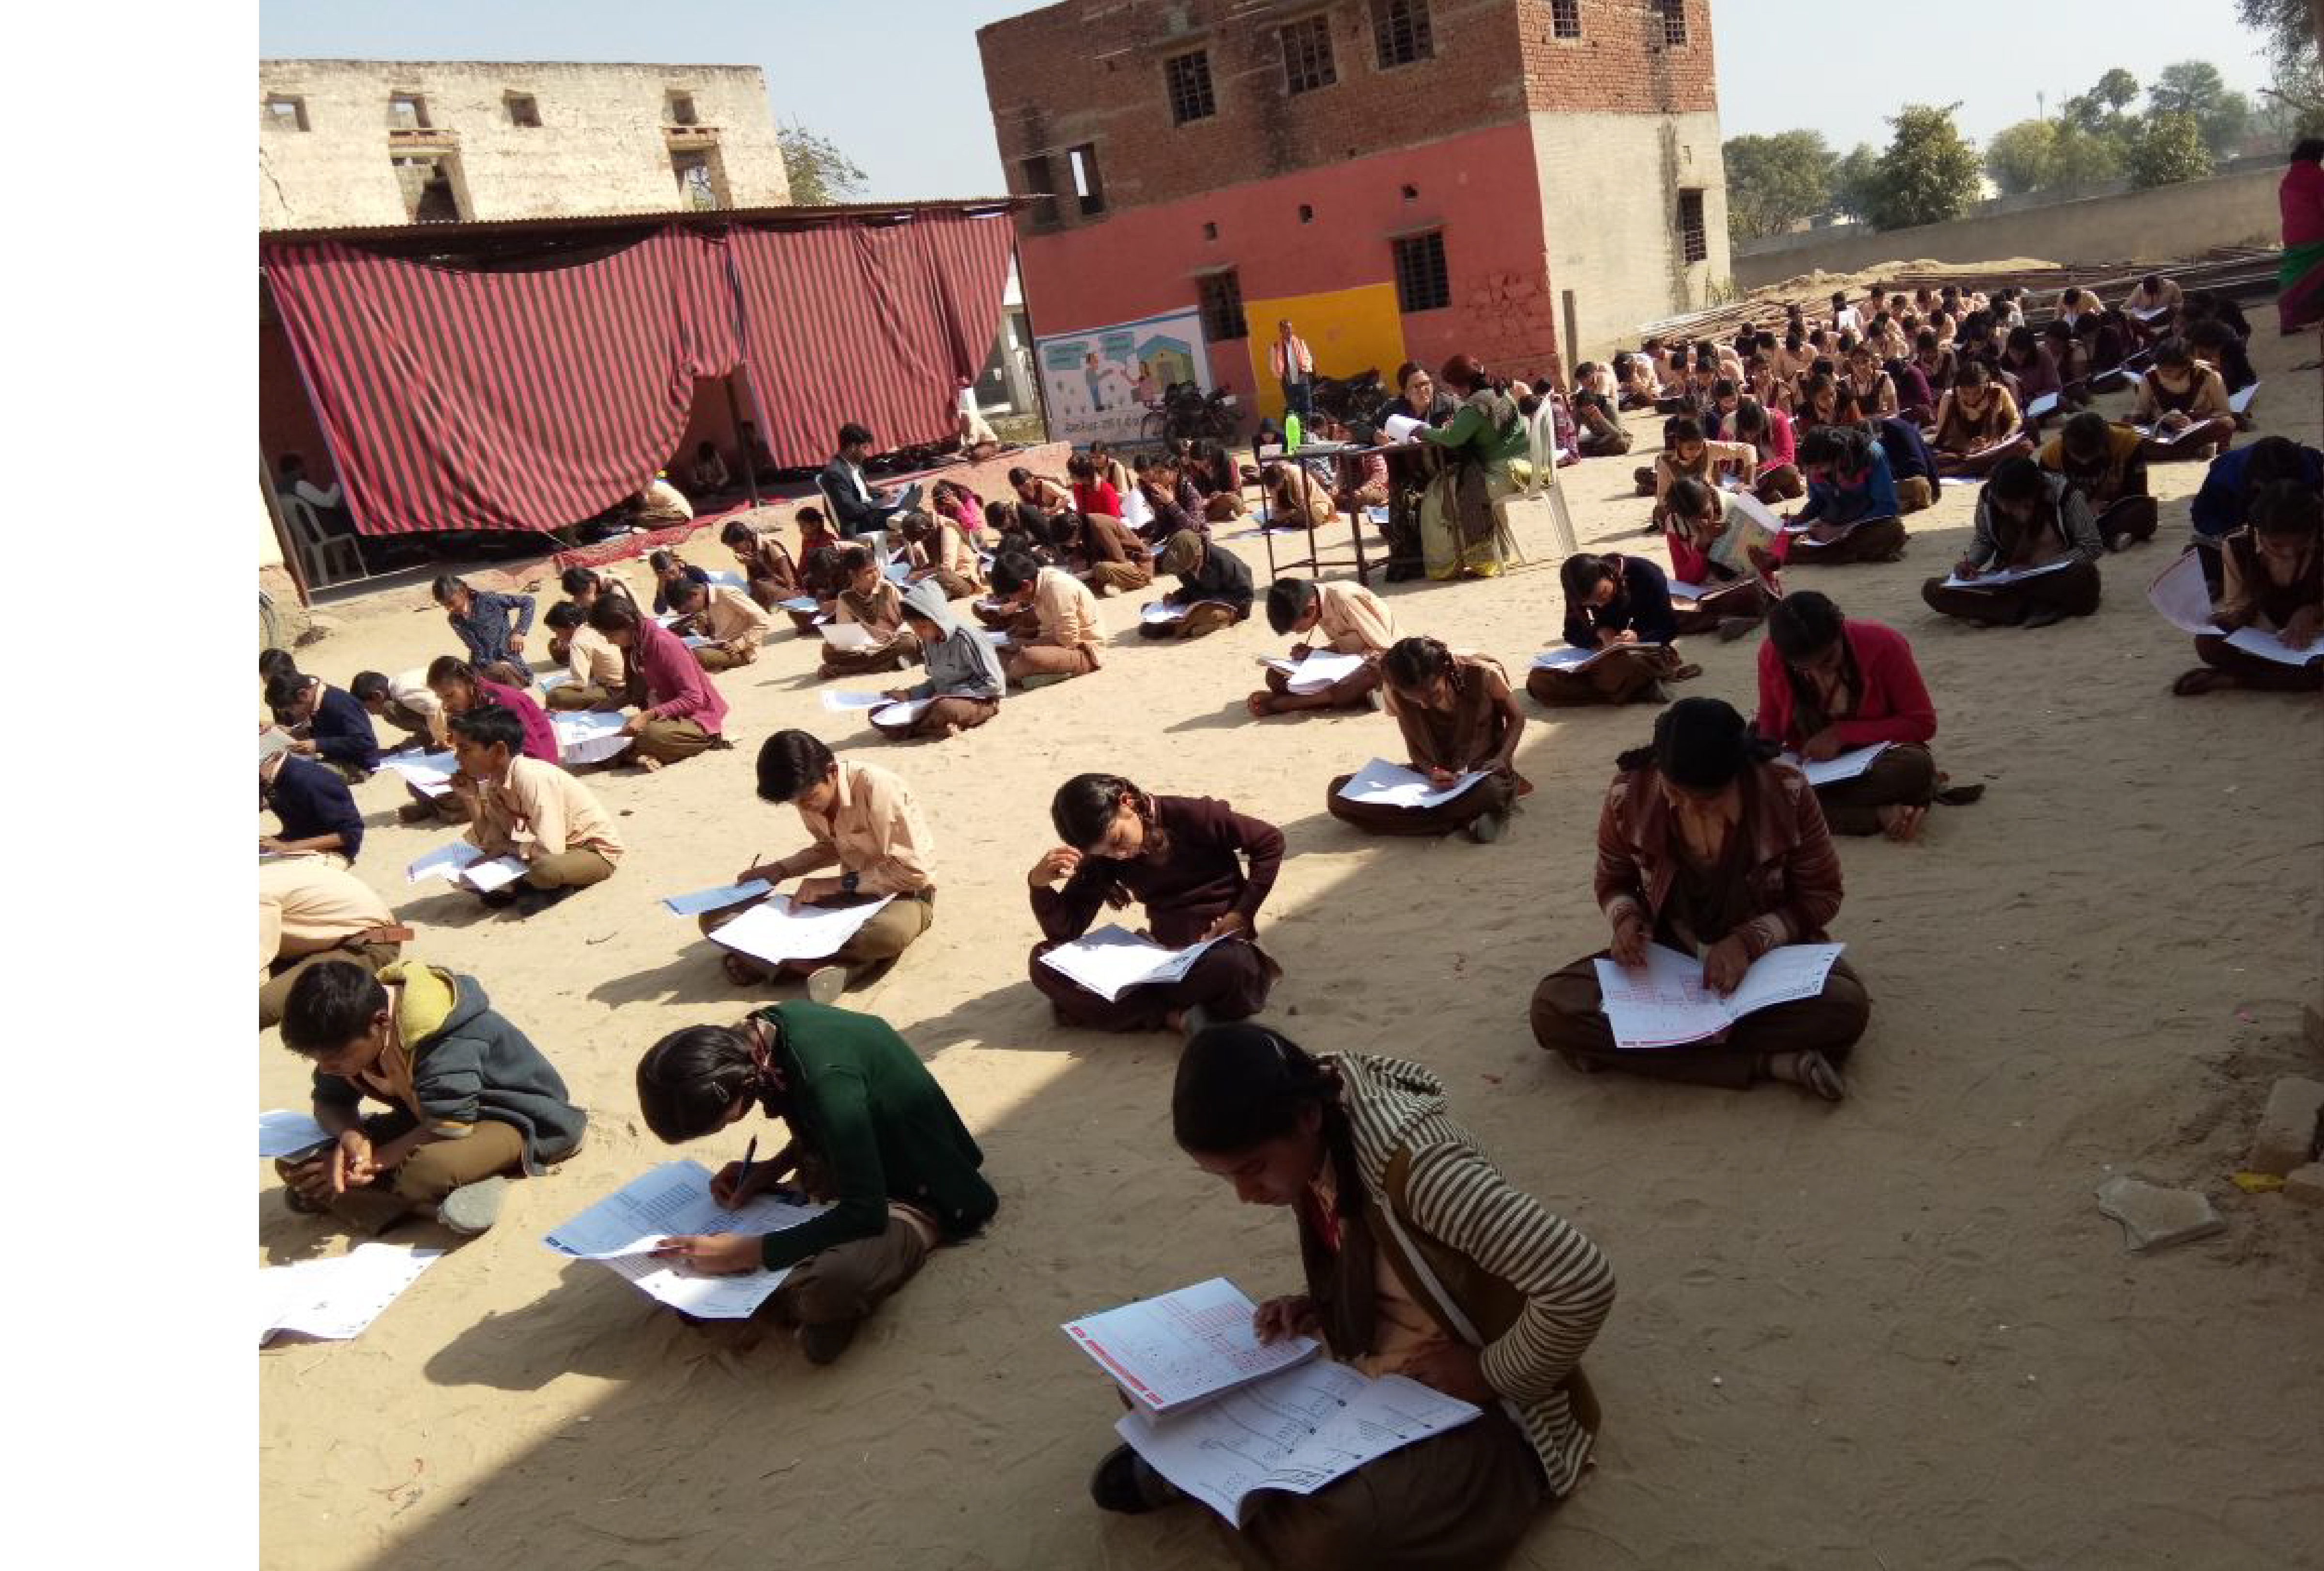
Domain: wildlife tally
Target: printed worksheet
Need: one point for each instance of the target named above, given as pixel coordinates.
(281, 1132)
(446, 862)
(1570, 659)
(2271, 646)
(1158, 613)
(802, 603)
(427, 772)
(621, 1230)
(2009, 575)
(1317, 671)
(588, 735)
(1112, 960)
(777, 928)
(839, 702)
(1297, 1431)
(849, 635)
(1665, 1003)
(338, 1297)
(902, 712)
(711, 899)
(1170, 1351)
(1394, 786)
(1841, 766)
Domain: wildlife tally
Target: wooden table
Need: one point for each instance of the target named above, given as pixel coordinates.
(1314, 561)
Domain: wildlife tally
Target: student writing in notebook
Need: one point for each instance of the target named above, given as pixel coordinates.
(1707, 847)
(1180, 858)
(1214, 589)
(1421, 1260)
(470, 1100)
(861, 819)
(316, 811)
(2025, 518)
(870, 1131)
(2107, 463)
(1619, 605)
(735, 625)
(337, 727)
(597, 677)
(2272, 579)
(871, 602)
(1456, 716)
(533, 812)
(1052, 620)
(964, 680)
(2184, 405)
(680, 711)
(766, 564)
(1735, 585)
(1851, 501)
(1343, 619)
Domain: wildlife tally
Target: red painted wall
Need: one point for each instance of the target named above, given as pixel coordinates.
(1480, 188)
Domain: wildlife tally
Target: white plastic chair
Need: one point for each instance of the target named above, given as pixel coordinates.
(317, 549)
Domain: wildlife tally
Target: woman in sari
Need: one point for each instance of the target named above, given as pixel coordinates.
(2299, 276)
(1462, 521)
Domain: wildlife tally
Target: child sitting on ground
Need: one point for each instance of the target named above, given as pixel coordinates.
(533, 812)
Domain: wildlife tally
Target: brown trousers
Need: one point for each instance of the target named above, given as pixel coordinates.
(1107, 577)
(1781, 484)
(1493, 794)
(711, 657)
(275, 990)
(1982, 463)
(1231, 982)
(578, 868)
(1455, 1501)
(1049, 660)
(1353, 691)
(1746, 597)
(408, 721)
(847, 1281)
(2251, 671)
(1875, 539)
(1626, 676)
(1903, 776)
(1914, 493)
(891, 656)
(570, 696)
(954, 586)
(1202, 620)
(883, 937)
(2213, 437)
(440, 1166)
(2128, 521)
(941, 718)
(2074, 591)
(671, 740)
(1569, 1019)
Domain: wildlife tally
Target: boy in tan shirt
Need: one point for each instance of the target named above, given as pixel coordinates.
(1344, 619)
(735, 625)
(532, 811)
(594, 665)
(1062, 638)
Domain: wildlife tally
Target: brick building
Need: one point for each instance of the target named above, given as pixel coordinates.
(1401, 177)
(344, 143)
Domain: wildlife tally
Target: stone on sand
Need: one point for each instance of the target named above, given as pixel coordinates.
(2305, 1185)
(2286, 1137)
(2153, 1217)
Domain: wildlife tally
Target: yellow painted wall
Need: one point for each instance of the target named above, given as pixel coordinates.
(1348, 330)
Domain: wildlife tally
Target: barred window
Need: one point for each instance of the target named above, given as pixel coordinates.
(1673, 21)
(1308, 55)
(1222, 299)
(1566, 18)
(1189, 79)
(1693, 245)
(1422, 284)
(1400, 31)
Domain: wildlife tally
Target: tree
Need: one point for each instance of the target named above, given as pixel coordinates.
(2100, 110)
(820, 174)
(2169, 147)
(2023, 157)
(2083, 159)
(1854, 181)
(1929, 173)
(1774, 182)
(2195, 87)
(2291, 26)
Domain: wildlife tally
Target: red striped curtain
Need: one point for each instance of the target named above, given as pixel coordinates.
(867, 322)
(457, 398)
(529, 400)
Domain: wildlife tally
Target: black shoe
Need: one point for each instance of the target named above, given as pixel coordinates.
(1126, 1482)
(824, 1342)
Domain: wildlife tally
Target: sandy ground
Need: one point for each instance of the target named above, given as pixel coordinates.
(1891, 1335)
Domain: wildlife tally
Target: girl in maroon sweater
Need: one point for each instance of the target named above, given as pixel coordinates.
(1178, 856)
(1830, 684)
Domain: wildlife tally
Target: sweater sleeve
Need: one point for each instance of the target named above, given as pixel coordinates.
(1453, 1194)
(1066, 912)
(1651, 615)
(2080, 526)
(1262, 843)
(1879, 489)
(1773, 721)
(1891, 682)
(850, 1148)
(1811, 874)
(450, 1084)
(1616, 880)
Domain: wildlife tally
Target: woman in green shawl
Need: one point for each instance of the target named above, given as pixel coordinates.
(1461, 518)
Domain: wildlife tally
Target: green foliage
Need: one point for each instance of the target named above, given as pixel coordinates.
(1774, 182)
(2289, 27)
(2195, 87)
(2023, 157)
(2169, 147)
(1930, 172)
(820, 174)
(1855, 180)
(2099, 111)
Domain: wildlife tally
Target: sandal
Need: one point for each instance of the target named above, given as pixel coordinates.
(2201, 679)
(1686, 673)
(741, 970)
(1816, 1072)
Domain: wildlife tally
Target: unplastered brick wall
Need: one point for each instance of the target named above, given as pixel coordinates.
(1610, 186)
(1621, 60)
(601, 144)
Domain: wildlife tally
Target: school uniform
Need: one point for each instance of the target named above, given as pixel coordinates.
(341, 731)
(686, 570)
(683, 710)
(2115, 484)
(1625, 675)
(1429, 1241)
(875, 830)
(1198, 880)
(473, 1081)
(1119, 560)
(729, 616)
(2250, 593)
(413, 707)
(1065, 616)
(1778, 880)
(1866, 504)
(1350, 619)
(768, 566)
(1454, 739)
(596, 670)
(310, 911)
(1215, 592)
(881, 613)
(2064, 524)
(1879, 698)
(950, 563)
(549, 819)
(2204, 404)
(309, 800)
(964, 682)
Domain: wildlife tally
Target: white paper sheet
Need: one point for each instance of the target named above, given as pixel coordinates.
(588, 735)
(674, 1199)
(551, 680)
(1317, 671)
(1570, 659)
(1680, 589)
(697, 641)
(775, 930)
(282, 1132)
(1156, 613)
(1664, 1003)
(902, 712)
(446, 862)
(2041, 406)
(849, 635)
(840, 702)
(427, 772)
(1391, 785)
(1294, 1432)
(2271, 646)
(1112, 960)
(2008, 575)
(340, 1297)
(2242, 402)
(1841, 766)
(487, 876)
(732, 580)
(996, 640)
(1170, 1351)
(2180, 592)
(803, 604)
(898, 572)
(711, 899)
(1402, 428)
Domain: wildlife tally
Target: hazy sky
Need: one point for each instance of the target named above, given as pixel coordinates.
(896, 84)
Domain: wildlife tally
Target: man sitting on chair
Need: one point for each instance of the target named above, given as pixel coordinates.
(857, 505)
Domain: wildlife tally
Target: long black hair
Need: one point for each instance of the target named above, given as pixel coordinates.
(688, 1081)
(1084, 807)
(1240, 1084)
(1700, 743)
(1412, 663)
(1801, 625)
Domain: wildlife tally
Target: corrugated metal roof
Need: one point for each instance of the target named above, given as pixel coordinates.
(691, 218)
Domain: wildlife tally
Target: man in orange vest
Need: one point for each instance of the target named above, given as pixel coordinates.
(1294, 365)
